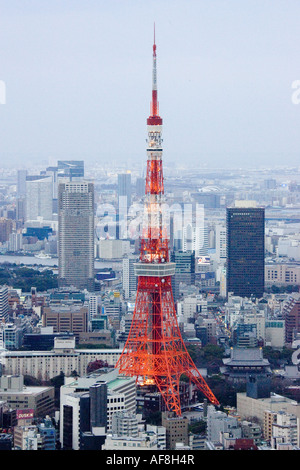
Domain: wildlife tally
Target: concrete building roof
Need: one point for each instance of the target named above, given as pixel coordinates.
(240, 357)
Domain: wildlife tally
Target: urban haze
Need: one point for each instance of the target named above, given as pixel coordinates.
(149, 228)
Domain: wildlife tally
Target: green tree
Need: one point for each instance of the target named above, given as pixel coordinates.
(198, 427)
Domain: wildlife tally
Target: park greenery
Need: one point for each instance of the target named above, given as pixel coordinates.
(22, 277)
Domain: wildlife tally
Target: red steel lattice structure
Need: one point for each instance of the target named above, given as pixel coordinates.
(154, 351)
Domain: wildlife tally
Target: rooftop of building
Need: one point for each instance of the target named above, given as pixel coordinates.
(32, 390)
(105, 375)
(273, 398)
(245, 356)
(77, 352)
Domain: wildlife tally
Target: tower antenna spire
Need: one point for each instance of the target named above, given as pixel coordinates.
(154, 111)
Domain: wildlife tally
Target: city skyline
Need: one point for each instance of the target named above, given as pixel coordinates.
(157, 318)
(226, 75)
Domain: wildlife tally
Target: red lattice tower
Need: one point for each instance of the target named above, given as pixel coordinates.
(154, 352)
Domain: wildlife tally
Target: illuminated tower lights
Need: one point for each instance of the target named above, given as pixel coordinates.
(154, 352)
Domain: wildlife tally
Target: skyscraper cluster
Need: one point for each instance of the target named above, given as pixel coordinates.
(62, 200)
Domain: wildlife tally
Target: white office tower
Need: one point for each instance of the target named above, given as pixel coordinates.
(195, 238)
(129, 277)
(15, 242)
(39, 194)
(76, 234)
(4, 306)
(220, 243)
(93, 306)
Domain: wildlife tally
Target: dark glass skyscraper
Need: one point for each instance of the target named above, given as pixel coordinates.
(245, 251)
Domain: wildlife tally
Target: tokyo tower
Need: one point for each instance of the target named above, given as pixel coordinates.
(154, 352)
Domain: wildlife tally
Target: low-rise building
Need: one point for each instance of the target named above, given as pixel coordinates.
(282, 274)
(20, 397)
(176, 429)
(112, 392)
(66, 317)
(285, 430)
(64, 358)
(27, 438)
(144, 441)
(248, 407)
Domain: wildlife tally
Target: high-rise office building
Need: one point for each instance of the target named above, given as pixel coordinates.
(53, 171)
(15, 241)
(184, 272)
(6, 228)
(195, 238)
(76, 234)
(220, 243)
(21, 208)
(66, 170)
(39, 195)
(93, 307)
(140, 187)
(4, 305)
(124, 203)
(88, 405)
(245, 251)
(124, 189)
(21, 183)
(129, 276)
(98, 405)
(70, 169)
(210, 200)
(269, 183)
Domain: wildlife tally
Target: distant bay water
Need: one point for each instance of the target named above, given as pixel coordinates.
(53, 262)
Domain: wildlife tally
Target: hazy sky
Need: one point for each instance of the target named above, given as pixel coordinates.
(78, 80)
